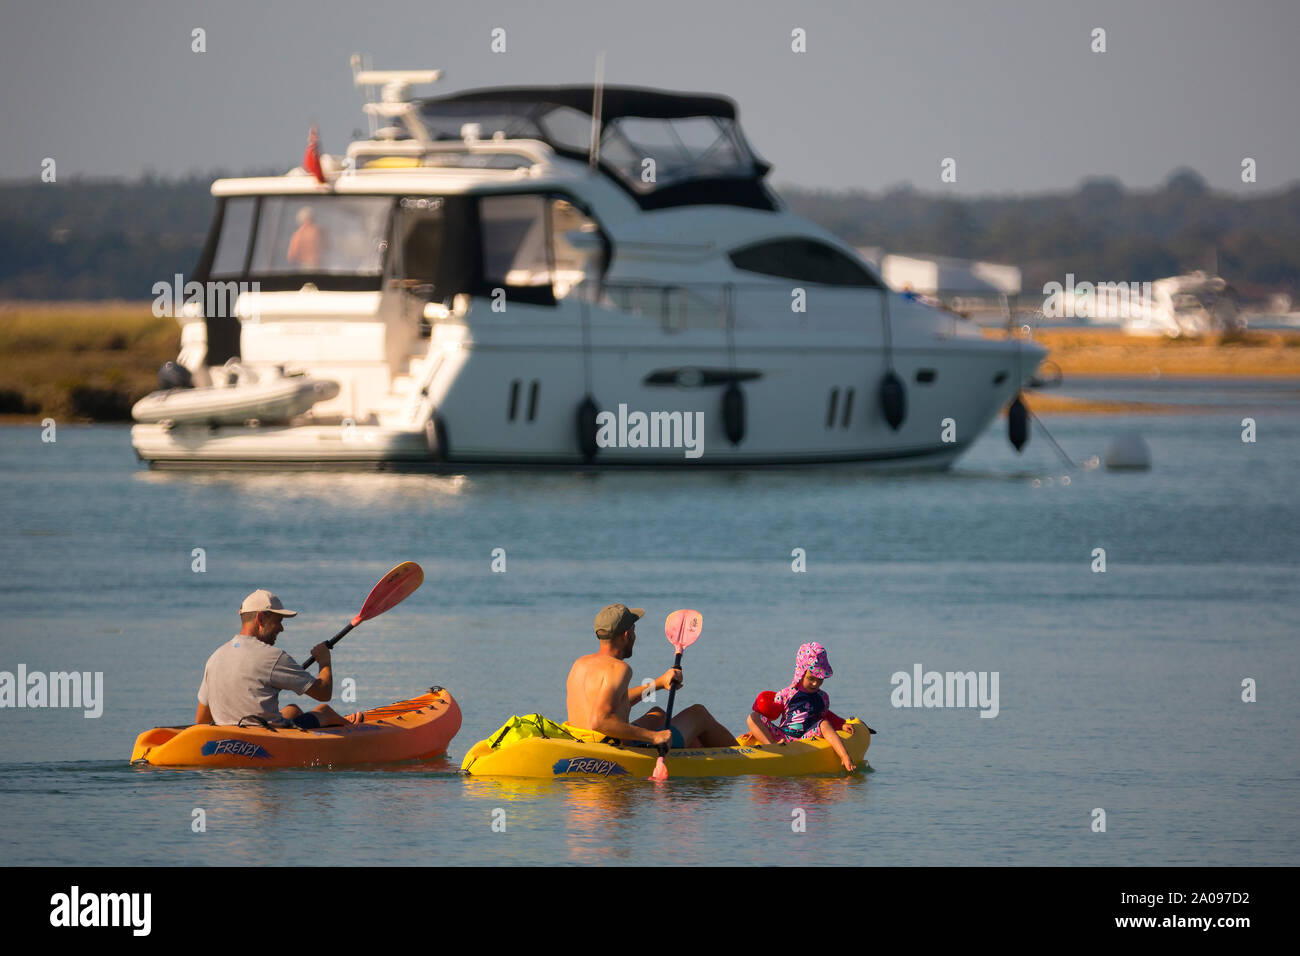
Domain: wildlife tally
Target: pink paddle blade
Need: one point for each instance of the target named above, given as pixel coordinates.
(660, 772)
(393, 588)
(683, 628)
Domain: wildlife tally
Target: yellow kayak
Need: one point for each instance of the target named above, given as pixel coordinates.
(554, 757)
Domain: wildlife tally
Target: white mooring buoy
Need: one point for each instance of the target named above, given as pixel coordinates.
(1128, 451)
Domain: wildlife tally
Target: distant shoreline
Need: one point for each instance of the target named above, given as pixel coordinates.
(1112, 353)
(91, 361)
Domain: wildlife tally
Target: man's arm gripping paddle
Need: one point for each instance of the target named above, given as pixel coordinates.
(393, 588)
(682, 630)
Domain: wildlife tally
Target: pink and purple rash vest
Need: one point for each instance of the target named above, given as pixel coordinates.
(803, 710)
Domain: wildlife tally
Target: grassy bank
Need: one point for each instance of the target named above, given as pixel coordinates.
(1110, 353)
(80, 361)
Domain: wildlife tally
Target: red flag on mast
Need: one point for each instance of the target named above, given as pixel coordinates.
(311, 158)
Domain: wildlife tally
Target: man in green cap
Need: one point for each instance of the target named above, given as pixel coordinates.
(600, 695)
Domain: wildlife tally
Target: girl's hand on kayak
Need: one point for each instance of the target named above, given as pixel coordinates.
(848, 729)
(848, 764)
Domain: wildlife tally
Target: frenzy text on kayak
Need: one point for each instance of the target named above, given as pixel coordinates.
(236, 748)
(591, 765)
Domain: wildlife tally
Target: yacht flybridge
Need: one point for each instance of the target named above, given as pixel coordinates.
(562, 276)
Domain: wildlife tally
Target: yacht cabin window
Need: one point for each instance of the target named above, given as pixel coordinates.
(687, 147)
(515, 247)
(422, 229)
(805, 260)
(539, 247)
(568, 128)
(232, 248)
(321, 235)
(578, 249)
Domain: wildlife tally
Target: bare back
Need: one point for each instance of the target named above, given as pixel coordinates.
(597, 689)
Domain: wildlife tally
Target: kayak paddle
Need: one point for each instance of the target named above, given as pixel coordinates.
(682, 630)
(393, 588)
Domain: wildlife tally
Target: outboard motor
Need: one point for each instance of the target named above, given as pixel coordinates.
(173, 375)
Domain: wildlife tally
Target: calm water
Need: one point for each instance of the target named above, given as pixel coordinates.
(1119, 690)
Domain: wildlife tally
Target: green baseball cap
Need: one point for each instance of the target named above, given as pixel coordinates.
(616, 618)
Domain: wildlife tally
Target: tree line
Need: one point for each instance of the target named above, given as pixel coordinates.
(113, 239)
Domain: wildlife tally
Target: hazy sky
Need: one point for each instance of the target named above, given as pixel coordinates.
(1011, 90)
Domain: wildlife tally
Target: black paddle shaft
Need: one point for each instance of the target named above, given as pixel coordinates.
(311, 658)
(672, 691)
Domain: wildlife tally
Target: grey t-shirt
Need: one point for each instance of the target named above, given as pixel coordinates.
(245, 676)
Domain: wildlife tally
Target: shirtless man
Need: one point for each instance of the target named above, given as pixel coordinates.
(600, 695)
(307, 242)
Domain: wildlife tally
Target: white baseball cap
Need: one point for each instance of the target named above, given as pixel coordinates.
(264, 600)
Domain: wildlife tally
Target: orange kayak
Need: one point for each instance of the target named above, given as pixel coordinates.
(408, 730)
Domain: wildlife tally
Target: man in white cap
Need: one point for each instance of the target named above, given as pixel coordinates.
(244, 677)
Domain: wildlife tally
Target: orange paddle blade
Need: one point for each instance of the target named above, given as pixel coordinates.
(393, 588)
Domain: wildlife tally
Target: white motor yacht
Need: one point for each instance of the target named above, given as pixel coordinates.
(567, 276)
(1188, 305)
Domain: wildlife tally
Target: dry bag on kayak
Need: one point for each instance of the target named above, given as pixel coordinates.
(530, 725)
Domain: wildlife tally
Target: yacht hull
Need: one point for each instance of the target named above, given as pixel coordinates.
(810, 409)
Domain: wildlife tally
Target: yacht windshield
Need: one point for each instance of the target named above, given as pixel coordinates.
(303, 235)
(648, 140)
(321, 234)
(687, 147)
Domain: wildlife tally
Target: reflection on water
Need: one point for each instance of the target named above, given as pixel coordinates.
(277, 490)
(804, 791)
(634, 821)
(600, 815)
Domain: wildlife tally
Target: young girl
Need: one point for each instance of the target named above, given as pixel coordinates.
(804, 706)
